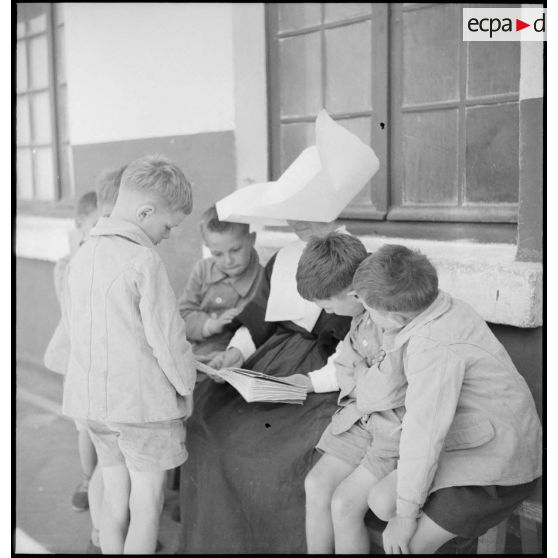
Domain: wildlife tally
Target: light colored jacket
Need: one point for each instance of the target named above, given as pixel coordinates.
(208, 293)
(369, 380)
(129, 359)
(470, 417)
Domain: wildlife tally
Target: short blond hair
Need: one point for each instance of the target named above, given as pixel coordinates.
(163, 178)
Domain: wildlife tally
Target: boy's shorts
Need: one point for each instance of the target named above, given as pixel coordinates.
(469, 511)
(142, 447)
(373, 442)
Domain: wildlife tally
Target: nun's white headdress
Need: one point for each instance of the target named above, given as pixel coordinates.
(317, 186)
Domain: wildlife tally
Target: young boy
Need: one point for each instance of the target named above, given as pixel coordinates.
(360, 445)
(131, 370)
(471, 447)
(220, 286)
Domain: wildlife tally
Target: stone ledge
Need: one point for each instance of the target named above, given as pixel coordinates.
(42, 238)
(502, 290)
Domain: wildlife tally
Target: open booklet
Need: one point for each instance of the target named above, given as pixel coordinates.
(255, 386)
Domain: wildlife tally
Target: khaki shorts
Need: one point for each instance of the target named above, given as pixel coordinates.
(145, 447)
(81, 424)
(373, 442)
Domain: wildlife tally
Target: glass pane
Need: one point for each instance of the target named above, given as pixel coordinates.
(349, 68)
(24, 174)
(60, 58)
(295, 138)
(44, 174)
(40, 110)
(297, 16)
(431, 39)
(39, 62)
(335, 11)
(492, 164)
(300, 75)
(493, 68)
(21, 70)
(20, 29)
(361, 128)
(22, 121)
(37, 22)
(430, 157)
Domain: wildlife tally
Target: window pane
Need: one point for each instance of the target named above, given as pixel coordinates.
(44, 174)
(39, 62)
(361, 128)
(21, 62)
(492, 173)
(20, 29)
(297, 16)
(37, 22)
(493, 68)
(294, 139)
(431, 39)
(430, 157)
(24, 176)
(22, 121)
(349, 68)
(335, 11)
(58, 12)
(300, 75)
(41, 114)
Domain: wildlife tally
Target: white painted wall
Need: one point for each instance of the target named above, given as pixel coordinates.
(148, 70)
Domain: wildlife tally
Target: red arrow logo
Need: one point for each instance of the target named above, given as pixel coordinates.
(519, 25)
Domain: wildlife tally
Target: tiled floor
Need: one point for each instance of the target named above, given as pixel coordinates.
(47, 471)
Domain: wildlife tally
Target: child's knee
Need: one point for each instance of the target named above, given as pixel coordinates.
(381, 504)
(343, 507)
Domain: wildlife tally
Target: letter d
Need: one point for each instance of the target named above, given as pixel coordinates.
(542, 21)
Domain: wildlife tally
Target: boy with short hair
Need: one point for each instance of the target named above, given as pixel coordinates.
(131, 370)
(471, 439)
(360, 445)
(220, 286)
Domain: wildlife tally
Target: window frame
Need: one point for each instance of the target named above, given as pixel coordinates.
(62, 203)
(475, 219)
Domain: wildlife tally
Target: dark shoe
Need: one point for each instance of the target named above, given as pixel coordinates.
(80, 499)
(159, 546)
(92, 548)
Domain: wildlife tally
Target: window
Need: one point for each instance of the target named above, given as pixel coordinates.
(43, 149)
(450, 147)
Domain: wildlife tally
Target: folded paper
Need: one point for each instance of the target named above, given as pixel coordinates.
(317, 186)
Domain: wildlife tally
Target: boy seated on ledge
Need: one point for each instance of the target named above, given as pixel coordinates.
(471, 439)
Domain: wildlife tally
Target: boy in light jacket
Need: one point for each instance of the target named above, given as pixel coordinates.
(130, 370)
(471, 440)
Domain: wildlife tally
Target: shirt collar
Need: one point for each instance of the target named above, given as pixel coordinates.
(241, 283)
(113, 226)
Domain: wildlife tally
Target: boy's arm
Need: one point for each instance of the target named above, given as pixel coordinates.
(435, 377)
(163, 326)
(325, 379)
(189, 305)
(59, 270)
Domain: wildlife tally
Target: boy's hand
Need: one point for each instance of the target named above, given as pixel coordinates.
(398, 533)
(213, 326)
(301, 380)
(231, 358)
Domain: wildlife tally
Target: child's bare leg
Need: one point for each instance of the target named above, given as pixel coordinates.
(382, 496)
(348, 508)
(146, 504)
(87, 454)
(95, 503)
(428, 537)
(114, 516)
(320, 483)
